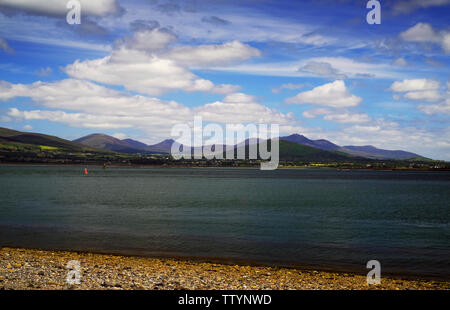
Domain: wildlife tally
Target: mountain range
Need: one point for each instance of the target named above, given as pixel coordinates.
(293, 147)
(106, 142)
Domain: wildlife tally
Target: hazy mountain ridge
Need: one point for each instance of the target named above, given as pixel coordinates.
(367, 151)
(27, 138)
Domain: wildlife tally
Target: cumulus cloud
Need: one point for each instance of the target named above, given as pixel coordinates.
(84, 104)
(415, 85)
(94, 106)
(333, 94)
(5, 46)
(147, 40)
(143, 63)
(424, 33)
(418, 89)
(212, 55)
(428, 95)
(242, 108)
(439, 108)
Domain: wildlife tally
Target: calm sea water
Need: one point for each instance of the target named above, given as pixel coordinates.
(324, 219)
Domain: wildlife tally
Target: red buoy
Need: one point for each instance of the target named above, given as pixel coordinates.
(85, 171)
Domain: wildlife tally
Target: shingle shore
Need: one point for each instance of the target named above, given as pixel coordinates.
(35, 269)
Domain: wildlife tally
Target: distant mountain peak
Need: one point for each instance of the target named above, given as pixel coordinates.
(320, 144)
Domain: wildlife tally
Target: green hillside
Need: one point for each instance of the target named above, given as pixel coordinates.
(20, 141)
(298, 152)
(291, 151)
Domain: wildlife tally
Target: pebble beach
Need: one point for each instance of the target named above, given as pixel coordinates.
(25, 269)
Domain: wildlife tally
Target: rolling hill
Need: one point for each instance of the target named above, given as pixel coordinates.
(319, 144)
(9, 136)
(291, 151)
(106, 142)
(129, 146)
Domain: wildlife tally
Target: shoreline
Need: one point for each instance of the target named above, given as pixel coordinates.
(43, 269)
(214, 167)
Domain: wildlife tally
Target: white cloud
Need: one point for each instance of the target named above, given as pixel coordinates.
(338, 116)
(71, 119)
(424, 33)
(239, 98)
(315, 112)
(208, 55)
(418, 89)
(415, 85)
(28, 127)
(425, 90)
(58, 7)
(347, 117)
(98, 107)
(428, 95)
(147, 40)
(233, 111)
(136, 64)
(140, 72)
(333, 94)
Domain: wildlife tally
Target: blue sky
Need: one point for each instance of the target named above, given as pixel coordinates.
(137, 68)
